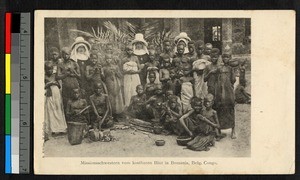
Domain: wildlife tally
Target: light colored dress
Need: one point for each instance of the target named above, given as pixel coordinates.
(130, 81)
(186, 95)
(54, 113)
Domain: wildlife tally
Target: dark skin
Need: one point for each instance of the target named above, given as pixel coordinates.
(196, 112)
(76, 105)
(138, 100)
(72, 69)
(99, 101)
(94, 68)
(49, 79)
(167, 47)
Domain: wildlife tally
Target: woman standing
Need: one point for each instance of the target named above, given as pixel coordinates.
(140, 50)
(225, 100)
(131, 75)
(80, 54)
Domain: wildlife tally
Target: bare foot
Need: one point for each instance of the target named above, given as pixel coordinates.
(233, 135)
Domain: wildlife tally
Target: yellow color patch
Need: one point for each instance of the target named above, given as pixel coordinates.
(7, 74)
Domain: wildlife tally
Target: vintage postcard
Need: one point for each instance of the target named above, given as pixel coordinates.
(164, 92)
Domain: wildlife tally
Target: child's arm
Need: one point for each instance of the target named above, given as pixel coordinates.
(207, 120)
(181, 120)
(88, 74)
(233, 78)
(59, 74)
(93, 105)
(216, 117)
(76, 71)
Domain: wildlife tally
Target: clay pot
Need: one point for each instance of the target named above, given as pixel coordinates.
(183, 140)
(75, 132)
(160, 142)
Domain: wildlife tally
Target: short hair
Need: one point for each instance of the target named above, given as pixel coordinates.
(138, 86)
(195, 100)
(109, 44)
(94, 54)
(209, 97)
(215, 51)
(53, 50)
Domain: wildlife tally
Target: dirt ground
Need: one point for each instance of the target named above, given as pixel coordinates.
(138, 144)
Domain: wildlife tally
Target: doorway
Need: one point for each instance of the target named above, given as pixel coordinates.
(213, 32)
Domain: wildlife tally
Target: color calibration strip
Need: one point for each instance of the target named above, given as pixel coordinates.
(17, 93)
(8, 165)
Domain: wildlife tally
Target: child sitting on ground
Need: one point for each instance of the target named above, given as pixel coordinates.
(173, 111)
(241, 96)
(101, 108)
(194, 122)
(196, 125)
(137, 103)
(154, 105)
(211, 114)
(77, 108)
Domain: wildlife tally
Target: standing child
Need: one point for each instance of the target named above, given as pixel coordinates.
(150, 87)
(174, 82)
(199, 48)
(152, 65)
(112, 78)
(164, 73)
(167, 47)
(187, 91)
(137, 103)
(54, 114)
(94, 74)
(131, 75)
(207, 51)
(225, 101)
(211, 74)
(101, 115)
(192, 52)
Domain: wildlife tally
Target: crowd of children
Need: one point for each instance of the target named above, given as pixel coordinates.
(188, 89)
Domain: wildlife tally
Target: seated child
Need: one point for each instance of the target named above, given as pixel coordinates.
(154, 105)
(173, 111)
(194, 122)
(137, 103)
(77, 108)
(211, 114)
(101, 108)
(241, 96)
(150, 86)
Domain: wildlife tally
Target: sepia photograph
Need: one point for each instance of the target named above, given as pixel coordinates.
(130, 85)
(164, 92)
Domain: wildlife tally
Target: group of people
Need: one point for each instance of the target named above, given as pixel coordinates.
(188, 89)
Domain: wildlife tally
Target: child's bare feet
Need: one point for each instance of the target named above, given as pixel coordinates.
(233, 135)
